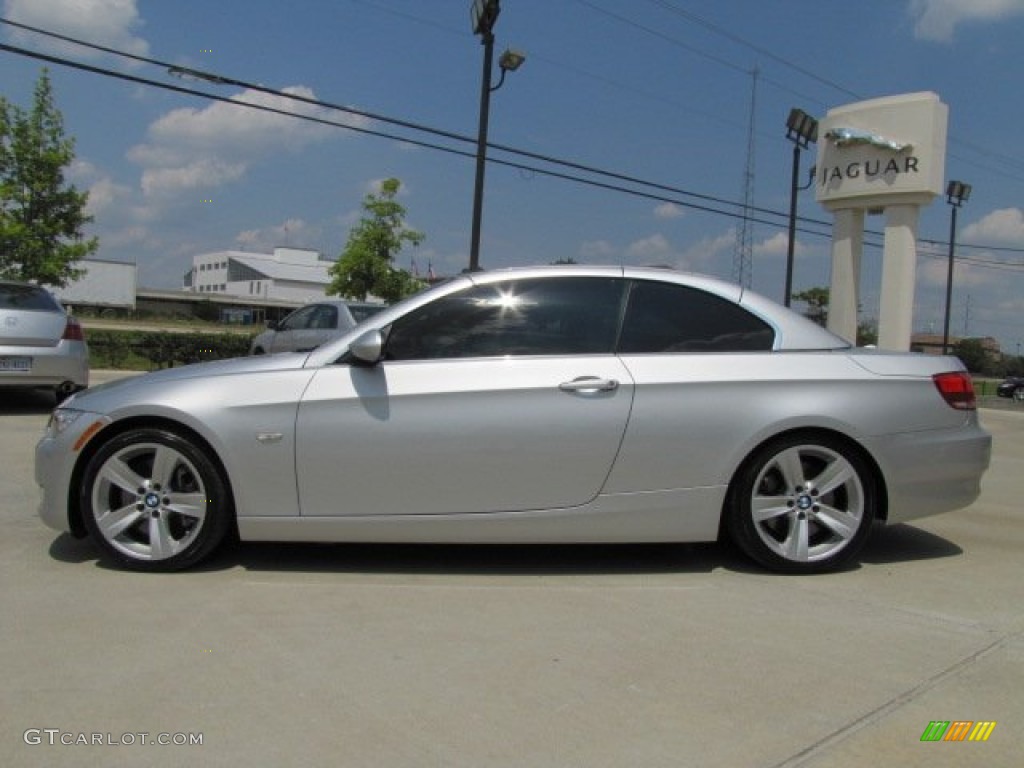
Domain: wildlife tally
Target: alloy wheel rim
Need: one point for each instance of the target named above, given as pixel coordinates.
(149, 501)
(808, 503)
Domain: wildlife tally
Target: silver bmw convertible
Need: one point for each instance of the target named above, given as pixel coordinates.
(550, 404)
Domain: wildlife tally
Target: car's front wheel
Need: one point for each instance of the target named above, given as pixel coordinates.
(154, 500)
(802, 504)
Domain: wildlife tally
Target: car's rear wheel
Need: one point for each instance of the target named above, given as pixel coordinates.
(802, 504)
(154, 500)
(64, 390)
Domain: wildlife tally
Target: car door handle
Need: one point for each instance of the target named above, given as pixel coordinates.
(589, 384)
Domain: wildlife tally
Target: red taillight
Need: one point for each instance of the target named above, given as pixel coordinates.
(73, 331)
(957, 389)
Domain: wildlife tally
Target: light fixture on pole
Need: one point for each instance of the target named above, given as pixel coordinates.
(484, 14)
(957, 193)
(802, 130)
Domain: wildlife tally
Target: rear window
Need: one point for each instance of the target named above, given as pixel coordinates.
(362, 311)
(13, 296)
(666, 318)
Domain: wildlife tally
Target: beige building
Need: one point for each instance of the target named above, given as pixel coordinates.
(931, 344)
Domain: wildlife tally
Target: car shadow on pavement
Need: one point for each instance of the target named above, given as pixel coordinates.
(22, 402)
(67, 549)
(484, 559)
(478, 559)
(900, 543)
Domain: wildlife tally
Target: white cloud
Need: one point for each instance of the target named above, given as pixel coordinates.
(700, 255)
(128, 236)
(777, 245)
(226, 127)
(669, 211)
(104, 194)
(294, 232)
(190, 148)
(596, 250)
(652, 250)
(82, 171)
(204, 174)
(1003, 226)
(111, 23)
(658, 250)
(936, 20)
(935, 271)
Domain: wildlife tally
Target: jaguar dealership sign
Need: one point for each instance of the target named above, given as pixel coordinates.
(884, 156)
(882, 152)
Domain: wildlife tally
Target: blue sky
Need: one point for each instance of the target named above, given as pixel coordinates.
(654, 89)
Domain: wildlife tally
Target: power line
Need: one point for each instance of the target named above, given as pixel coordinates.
(405, 139)
(694, 18)
(219, 79)
(764, 52)
(706, 205)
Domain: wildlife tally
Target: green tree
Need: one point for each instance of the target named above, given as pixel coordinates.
(367, 265)
(974, 356)
(1015, 366)
(41, 215)
(867, 333)
(817, 299)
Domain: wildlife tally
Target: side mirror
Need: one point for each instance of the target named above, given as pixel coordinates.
(368, 348)
(273, 325)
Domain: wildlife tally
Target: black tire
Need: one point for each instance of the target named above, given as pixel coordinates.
(154, 500)
(803, 503)
(64, 391)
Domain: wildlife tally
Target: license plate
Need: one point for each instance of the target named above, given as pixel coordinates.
(15, 363)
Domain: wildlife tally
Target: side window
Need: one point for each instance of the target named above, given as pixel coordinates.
(345, 319)
(675, 318)
(545, 316)
(326, 317)
(298, 320)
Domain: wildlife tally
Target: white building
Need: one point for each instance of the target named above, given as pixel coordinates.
(288, 274)
(101, 284)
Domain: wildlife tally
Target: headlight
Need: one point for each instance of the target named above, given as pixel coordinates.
(60, 420)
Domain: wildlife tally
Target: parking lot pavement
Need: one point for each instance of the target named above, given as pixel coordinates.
(513, 656)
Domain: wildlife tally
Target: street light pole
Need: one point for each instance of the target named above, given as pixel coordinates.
(801, 129)
(957, 193)
(791, 243)
(484, 13)
(484, 24)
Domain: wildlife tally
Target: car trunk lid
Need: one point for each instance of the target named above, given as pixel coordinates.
(31, 328)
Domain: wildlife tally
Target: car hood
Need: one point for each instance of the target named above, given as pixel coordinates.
(153, 380)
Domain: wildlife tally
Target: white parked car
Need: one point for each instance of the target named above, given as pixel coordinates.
(310, 326)
(41, 346)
